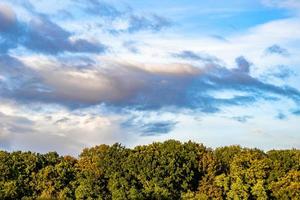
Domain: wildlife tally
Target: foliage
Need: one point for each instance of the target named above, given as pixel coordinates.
(168, 170)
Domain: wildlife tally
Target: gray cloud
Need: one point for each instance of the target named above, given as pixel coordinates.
(41, 35)
(138, 87)
(7, 18)
(131, 46)
(158, 128)
(149, 128)
(118, 85)
(100, 8)
(47, 37)
(153, 23)
(243, 64)
(190, 55)
(62, 120)
(19, 82)
(296, 112)
(136, 22)
(276, 49)
(219, 37)
(15, 74)
(281, 116)
(242, 119)
(8, 26)
(281, 72)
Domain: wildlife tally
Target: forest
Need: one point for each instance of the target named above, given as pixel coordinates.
(161, 170)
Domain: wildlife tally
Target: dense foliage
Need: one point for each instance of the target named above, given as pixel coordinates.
(168, 170)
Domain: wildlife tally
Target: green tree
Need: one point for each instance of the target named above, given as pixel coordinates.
(161, 170)
(91, 180)
(287, 187)
(56, 182)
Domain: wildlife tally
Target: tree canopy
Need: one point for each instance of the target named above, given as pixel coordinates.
(161, 170)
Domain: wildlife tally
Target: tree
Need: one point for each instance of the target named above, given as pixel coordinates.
(287, 187)
(161, 170)
(56, 182)
(247, 175)
(91, 180)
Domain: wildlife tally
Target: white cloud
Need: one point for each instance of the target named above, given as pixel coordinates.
(57, 130)
(121, 74)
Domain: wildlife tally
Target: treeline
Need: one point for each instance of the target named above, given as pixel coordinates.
(168, 170)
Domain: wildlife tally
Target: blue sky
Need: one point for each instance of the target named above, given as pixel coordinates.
(76, 73)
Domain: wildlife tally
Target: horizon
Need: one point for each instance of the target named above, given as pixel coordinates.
(75, 74)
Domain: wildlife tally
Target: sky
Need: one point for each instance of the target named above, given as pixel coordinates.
(78, 73)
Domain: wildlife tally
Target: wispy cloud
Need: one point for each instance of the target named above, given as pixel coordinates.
(291, 4)
(190, 55)
(132, 21)
(242, 119)
(281, 72)
(99, 8)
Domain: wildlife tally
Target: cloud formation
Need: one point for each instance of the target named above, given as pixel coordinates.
(190, 55)
(135, 85)
(149, 128)
(281, 116)
(153, 23)
(132, 22)
(276, 49)
(41, 35)
(281, 72)
(120, 85)
(99, 8)
(161, 71)
(158, 128)
(242, 119)
(7, 18)
(296, 112)
(47, 129)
